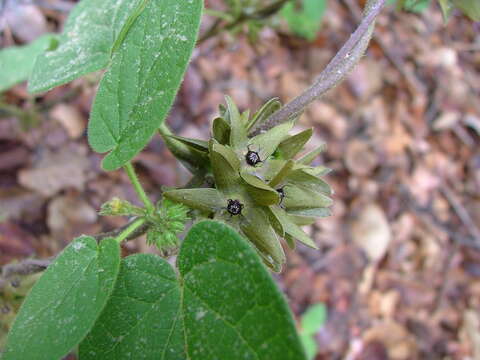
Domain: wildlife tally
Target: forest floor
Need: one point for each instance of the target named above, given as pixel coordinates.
(399, 261)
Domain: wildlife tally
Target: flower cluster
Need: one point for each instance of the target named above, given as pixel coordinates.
(259, 186)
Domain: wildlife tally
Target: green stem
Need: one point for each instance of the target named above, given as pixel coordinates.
(130, 229)
(138, 188)
(164, 130)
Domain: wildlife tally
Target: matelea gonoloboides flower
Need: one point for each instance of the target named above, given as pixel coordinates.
(259, 187)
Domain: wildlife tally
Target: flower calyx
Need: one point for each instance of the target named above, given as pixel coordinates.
(261, 187)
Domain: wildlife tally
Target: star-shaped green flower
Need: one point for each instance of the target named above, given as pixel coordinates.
(272, 194)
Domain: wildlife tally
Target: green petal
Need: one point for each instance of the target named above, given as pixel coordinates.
(315, 212)
(194, 160)
(292, 145)
(221, 130)
(238, 133)
(290, 241)
(197, 144)
(302, 220)
(303, 178)
(271, 168)
(297, 197)
(275, 222)
(209, 200)
(282, 173)
(261, 234)
(264, 113)
(265, 144)
(260, 192)
(318, 170)
(225, 167)
(291, 228)
(309, 157)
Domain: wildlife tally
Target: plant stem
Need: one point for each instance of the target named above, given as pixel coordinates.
(338, 68)
(138, 188)
(242, 18)
(130, 229)
(164, 130)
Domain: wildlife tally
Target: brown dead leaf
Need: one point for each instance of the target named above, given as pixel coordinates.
(371, 231)
(399, 343)
(55, 171)
(69, 216)
(70, 118)
(16, 203)
(26, 21)
(360, 158)
(15, 243)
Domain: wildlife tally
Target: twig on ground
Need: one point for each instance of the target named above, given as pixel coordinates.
(461, 212)
(32, 266)
(413, 85)
(343, 62)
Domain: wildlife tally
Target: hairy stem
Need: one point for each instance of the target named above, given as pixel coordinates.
(139, 188)
(131, 229)
(343, 62)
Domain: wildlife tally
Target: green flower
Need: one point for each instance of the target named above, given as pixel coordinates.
(258, 175)
(168, 220)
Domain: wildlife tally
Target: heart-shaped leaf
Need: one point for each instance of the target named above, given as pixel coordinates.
(85, 44)
(65, 302)
(224, 305)
(144, 74)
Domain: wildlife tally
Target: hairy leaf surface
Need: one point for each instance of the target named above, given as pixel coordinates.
(142, 80)
(65, 302)
(223, 305)
(85, 44)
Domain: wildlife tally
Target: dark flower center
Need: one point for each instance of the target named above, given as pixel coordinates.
(234, 207)
(252, 158)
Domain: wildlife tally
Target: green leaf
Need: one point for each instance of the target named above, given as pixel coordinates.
(293, 144)
(197, 144)
(85, 44)
(225, 167)
(261, 193)
(314, 318)
(297, 198)
(471, 8)
(259, 231)
(16, 62)
(238, 133)
(310, 345)
(224, 305)
(143, 314)
(303, 178)
(202, 199)
(447, 9)
(291, 228)
(221, 130)
(270, 107)
(139, 87)
(282, 173)
(307, 21)
(416, 6)
(308, 158)
(65, 302)
(267, 142)
(314, 212)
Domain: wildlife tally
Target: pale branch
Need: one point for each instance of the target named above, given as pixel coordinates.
(338, 68)
(32, 266)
